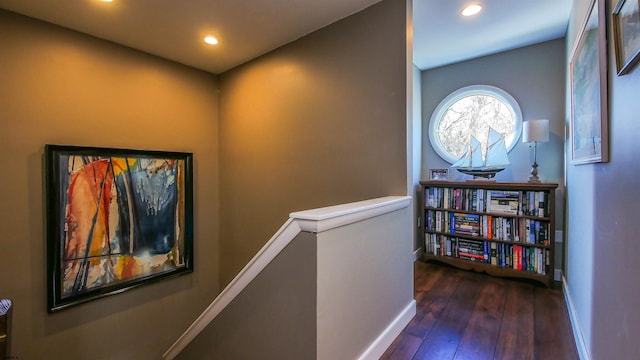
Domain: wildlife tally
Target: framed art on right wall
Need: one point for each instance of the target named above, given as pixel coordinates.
(626, 33)
(588, 71)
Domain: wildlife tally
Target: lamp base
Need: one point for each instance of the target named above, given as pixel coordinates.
(534, 173)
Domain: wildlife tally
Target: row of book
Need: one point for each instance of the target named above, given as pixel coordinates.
(523, 230)
(532, 203)
(517, 257)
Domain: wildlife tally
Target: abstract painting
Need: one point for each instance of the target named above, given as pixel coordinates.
(116, 219)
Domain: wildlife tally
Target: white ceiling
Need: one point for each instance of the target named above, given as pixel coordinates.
(246, 29)
(442, 37)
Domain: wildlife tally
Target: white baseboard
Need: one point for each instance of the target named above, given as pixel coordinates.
(416, 254)
(557, 274)
(583, 352)
(382, 343)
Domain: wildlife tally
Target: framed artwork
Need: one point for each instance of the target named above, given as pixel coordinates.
(116, 219)
(588, 72)
(439, 174)
(626, 33)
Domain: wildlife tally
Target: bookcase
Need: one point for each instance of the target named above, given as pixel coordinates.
(501, 228)
(5, 328)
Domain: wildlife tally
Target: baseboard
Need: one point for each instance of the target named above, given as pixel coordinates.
(557, 274)
(416, 254)
(583, 352)
(382, 343)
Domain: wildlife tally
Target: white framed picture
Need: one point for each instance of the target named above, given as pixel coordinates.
(438, 174)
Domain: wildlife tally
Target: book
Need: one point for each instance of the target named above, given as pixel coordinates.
(480, 205)
(465, 224)
(509, 207)
(471, 246)
(541, 203)
(494, 253)
(472, 257)
(517, 257)
(504, 202)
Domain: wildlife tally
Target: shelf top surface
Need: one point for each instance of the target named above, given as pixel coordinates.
(484, 184)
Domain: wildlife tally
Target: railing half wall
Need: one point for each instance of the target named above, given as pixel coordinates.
(363, 279)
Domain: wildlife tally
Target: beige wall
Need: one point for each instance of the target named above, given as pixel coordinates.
(61, 87)
(318, 122)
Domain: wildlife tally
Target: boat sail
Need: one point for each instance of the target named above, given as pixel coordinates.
(494, 160)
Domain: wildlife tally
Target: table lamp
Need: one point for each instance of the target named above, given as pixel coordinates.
(535, 131)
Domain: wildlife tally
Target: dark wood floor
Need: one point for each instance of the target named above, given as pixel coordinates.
(466, 315)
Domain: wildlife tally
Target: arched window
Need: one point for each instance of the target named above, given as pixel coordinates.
(471, 111)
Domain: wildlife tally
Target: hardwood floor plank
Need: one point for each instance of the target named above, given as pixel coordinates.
(481, 333)
(402, 348)
(426, 275)
(515, 340)
(442, 341)
(430, 304)
(554, 339)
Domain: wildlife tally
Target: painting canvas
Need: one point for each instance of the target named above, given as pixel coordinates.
(116, 219)
(589, 90)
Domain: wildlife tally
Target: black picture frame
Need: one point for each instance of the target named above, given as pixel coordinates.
(116, 219)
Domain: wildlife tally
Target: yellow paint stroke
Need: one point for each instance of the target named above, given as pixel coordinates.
(120, 164)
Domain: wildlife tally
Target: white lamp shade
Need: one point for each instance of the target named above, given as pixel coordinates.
(535, 130)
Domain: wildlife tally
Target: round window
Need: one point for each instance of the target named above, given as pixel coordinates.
(471, 111)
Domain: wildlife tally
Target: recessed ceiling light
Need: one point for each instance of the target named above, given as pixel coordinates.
(471, 10)
(106, 0)
(211, 40)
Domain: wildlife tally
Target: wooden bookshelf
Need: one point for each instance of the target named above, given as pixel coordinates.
(5, 329)
(501, 228)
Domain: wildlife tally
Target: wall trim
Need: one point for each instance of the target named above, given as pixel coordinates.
(382, 343)
(416, 254)
(327, 218)
(583, 352)
(315, 220)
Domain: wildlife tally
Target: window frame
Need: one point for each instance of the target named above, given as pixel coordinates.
(471, 90)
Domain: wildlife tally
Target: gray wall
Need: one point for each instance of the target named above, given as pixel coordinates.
(417, 144)
(602, 222)
(534, 76)
(61, 87)
(318, 122)
(274, 317)
(361, 292)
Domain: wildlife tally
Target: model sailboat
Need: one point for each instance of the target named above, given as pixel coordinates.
(494, 160)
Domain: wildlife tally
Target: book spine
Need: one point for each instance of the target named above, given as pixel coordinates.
(487, 252)
(494, 253)
(452, 223)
